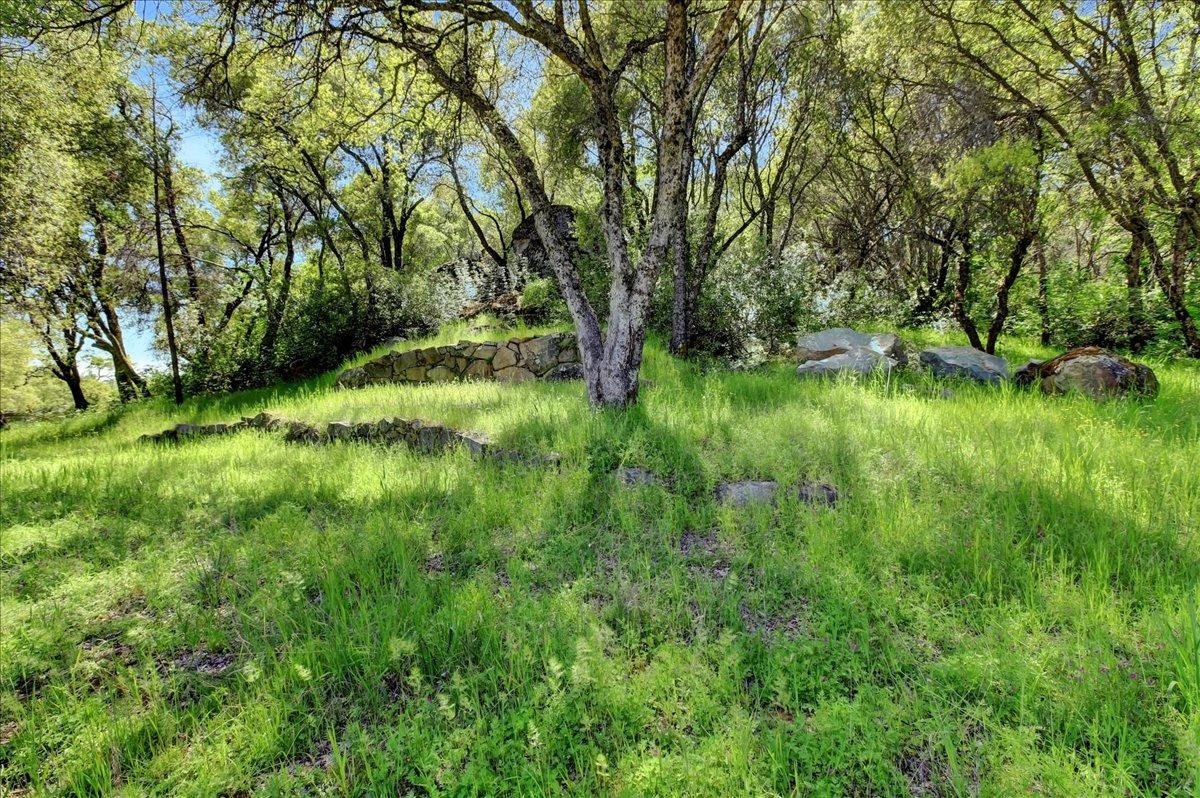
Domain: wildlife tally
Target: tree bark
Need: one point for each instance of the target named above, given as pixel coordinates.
(185, 252)
(66, 365)
(164, 286)
(1016, 260)
(962, 284)
(1043, 295)
(1139, 326)
(611, 360)
(278, 307)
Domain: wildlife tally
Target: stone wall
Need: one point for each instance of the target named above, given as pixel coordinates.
(548, 357)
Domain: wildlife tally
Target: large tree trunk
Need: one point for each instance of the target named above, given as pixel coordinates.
(611, 360)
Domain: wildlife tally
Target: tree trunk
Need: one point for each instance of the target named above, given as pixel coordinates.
(66, 368)
(961, 285)
(164, 286)
(1170, 282)
(611, 360)
(1043, 295)
(1139, 325)
(279, 306)
(681, 258)
(185, 252)
(1016, 260)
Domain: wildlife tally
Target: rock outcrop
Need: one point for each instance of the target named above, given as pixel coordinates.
(856, 361)
(966, 362)
(417, 434)
(839, 340)
(1092, 371)
(749, 492)
(553, 357)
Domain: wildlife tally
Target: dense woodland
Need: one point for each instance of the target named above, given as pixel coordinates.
(721, 173)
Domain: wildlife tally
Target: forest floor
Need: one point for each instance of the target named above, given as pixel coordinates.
(1003, 602)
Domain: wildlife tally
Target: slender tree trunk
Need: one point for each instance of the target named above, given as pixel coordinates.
(681, 259)
(1016, 260)
(681, 254)
(181, 242)
(164, 286)
(961, 285)
(1139, 328)
(75, 384)
(1170, 282)
(1043, 295)
(279, 306)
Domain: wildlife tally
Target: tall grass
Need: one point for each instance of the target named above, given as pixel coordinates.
(1004, 601)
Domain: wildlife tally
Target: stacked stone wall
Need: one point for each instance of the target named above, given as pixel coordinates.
(547, 357)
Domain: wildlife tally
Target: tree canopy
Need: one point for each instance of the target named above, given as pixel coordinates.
(720, 172)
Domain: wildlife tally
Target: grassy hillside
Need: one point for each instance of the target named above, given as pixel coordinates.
(1004, 602)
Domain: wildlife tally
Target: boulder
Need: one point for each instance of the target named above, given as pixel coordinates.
(540, 354)
(353, 378)
(633, 475)
(479, 369)
(339, 430)
(740, 494)
(1094, 372)
(564, 371)
(1028, 374)
(859, 360)
(378, 370)
(964, 361)
(476, 443)
(835, 341)
(819, 494)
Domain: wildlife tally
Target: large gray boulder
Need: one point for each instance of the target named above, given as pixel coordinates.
(838, 340)
(1094, 372)
(856, 361)
(965, 361)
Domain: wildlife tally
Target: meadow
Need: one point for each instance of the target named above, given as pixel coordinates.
(1004, 601)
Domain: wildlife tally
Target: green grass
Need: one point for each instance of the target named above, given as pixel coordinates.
(1005, 602)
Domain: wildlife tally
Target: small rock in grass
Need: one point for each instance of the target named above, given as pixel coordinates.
(633, 475)
(819, 494)
(740, 494)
